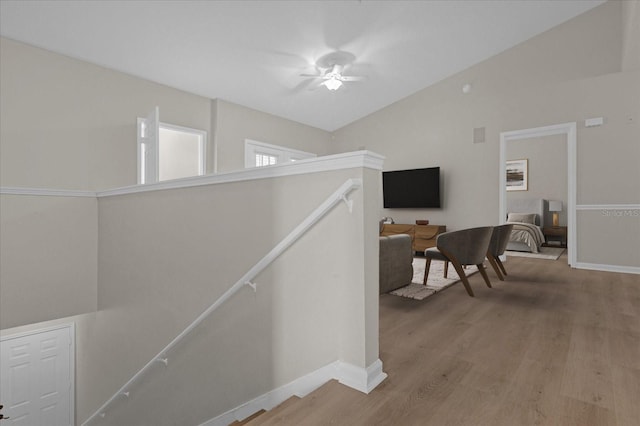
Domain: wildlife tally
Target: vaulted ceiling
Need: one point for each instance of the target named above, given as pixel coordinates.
(253, 52)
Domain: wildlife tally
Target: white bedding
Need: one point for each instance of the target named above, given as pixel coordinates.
(527, 233)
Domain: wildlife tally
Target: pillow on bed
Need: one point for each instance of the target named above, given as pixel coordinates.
(522, 218)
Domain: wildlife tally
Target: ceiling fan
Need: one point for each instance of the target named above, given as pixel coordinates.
(331, 67)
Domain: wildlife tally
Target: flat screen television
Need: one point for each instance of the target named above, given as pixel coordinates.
(415, 188)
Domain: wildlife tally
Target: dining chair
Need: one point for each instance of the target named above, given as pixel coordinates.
(461, 248)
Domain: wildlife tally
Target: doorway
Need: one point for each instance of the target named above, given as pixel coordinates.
(568, 130)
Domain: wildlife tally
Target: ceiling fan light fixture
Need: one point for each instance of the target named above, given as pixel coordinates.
(333, 83)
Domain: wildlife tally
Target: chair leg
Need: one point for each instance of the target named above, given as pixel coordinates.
(504, 271)
(492, 261)
(463, 277)
(426, 271)
(446, 268)
(484, 274)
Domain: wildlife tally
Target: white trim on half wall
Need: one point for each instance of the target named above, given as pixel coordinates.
(366, 159)
(44, 192)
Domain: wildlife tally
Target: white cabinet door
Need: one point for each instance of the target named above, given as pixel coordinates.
(36, 371)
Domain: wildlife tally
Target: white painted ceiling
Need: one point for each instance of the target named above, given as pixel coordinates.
(253, 52)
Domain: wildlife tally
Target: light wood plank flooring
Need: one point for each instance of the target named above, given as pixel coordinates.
(549, 346)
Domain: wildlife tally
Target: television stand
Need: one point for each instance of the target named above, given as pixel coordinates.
(422, 236)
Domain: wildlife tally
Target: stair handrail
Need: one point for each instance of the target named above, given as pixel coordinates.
(340, 195)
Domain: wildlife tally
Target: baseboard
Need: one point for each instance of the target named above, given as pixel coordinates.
(362, 379)
(607, 268)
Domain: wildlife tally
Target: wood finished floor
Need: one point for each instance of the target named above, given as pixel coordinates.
(549, 346)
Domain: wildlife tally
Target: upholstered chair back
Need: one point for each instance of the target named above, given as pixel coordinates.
(500, 239)
(468, 246)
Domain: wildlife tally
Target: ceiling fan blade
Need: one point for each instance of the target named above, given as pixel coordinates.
(314, 87)
(312, 75)
(353, 78)
(303, 85)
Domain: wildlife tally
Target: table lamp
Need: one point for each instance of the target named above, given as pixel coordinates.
(555, 207)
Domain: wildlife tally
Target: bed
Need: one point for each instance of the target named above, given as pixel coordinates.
(527, 217)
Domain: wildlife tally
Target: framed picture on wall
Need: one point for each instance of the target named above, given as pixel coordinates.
(517, 175)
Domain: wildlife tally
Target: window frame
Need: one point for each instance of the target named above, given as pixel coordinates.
(202, 148)
(283, 153)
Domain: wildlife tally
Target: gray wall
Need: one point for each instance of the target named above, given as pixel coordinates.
(547, 167)
(166, 256)
(630, 35)
(67, 124)
(570, 73)
(70, 124)
(236, 123)
(81, 135)
(48, 258)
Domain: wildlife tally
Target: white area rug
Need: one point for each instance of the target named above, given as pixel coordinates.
(435, 283)
(550, 253)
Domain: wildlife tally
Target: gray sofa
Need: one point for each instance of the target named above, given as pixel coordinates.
(396, 262)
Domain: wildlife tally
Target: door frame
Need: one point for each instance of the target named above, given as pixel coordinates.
(568, 129)
(72, 357)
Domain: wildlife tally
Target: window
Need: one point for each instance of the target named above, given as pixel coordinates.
(181, 152)
(260, 154)
(265, 159)
(166, 151)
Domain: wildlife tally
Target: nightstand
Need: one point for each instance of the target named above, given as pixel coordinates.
(555, 236)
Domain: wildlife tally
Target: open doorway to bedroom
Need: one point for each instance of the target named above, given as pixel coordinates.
(541, 162)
